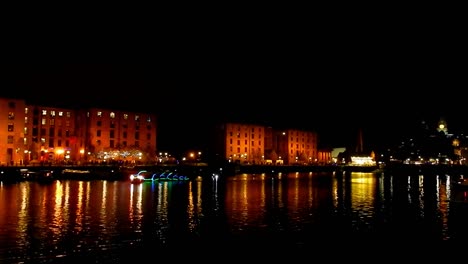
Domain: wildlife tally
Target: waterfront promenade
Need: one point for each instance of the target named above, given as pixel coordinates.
(116, 172)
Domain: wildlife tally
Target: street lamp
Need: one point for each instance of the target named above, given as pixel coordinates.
(59, 152)
(82, 151)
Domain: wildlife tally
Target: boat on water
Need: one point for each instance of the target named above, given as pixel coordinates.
(145, 175)
(41, 175)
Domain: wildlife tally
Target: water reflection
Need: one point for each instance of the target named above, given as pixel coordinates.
(105, 220)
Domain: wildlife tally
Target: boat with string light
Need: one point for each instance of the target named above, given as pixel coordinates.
(148, 176)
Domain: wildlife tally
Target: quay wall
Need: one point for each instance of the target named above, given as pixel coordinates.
(205, 170)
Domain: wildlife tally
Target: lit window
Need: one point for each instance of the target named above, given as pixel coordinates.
(44, 112)
(112, 115)
(99, 114)
(52, 113)
(60, 113)
(125, 116)
(43, 121)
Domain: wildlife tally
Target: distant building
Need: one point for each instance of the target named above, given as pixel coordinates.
(258, 144)
(337, 155)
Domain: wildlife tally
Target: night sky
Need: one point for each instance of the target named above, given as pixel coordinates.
(335, 94)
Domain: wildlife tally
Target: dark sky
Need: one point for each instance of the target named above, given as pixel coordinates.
(332, 89)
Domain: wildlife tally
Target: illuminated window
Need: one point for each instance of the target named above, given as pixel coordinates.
(99, 114)
(52, 113)
(25, 130)
(44, 112)
(26, 110)
(68, 114)
(11, 115)
(26, 119)
(25, 141)
(43, 140)
(125, 116)
(137, 118)
(43, 121)
(112, 115)
(148, 119)
(60, 113)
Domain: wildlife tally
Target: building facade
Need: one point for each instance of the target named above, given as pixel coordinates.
(257, 144)
(45, 134)
(297, 147)
(244, 143)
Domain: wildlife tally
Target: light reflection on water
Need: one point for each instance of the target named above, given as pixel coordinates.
(106, 220)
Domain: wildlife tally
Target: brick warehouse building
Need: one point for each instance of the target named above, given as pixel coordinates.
(257, 144)
(45, 134)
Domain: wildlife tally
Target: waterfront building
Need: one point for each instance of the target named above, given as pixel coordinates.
(52, 135)
(258, 144)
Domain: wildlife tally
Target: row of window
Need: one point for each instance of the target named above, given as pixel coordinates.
(125, 116)
(238, 135)
(124, 134)
(10, 140)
